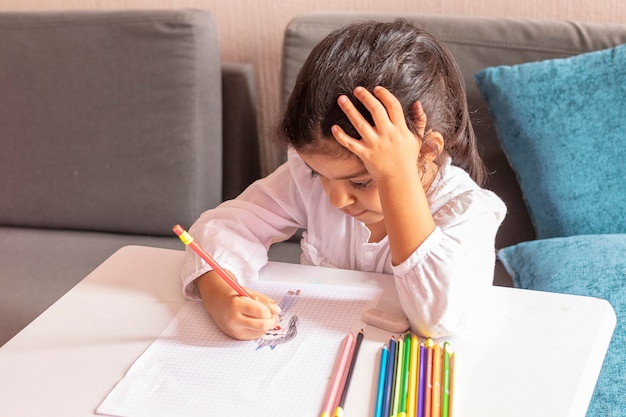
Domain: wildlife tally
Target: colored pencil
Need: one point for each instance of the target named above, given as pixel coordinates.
(411, 400)
(188, 240)
(397, 384)
(429, 377)
(421, 386)
(382, 376)
(348, 378)
(435, 409)
(344, 355)
(391, 359)
(445, 392)
(452, 378)
(404, 379)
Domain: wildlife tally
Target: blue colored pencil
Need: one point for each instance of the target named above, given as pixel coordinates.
(391, 359)
(382, 376)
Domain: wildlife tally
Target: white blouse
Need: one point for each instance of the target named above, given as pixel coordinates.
(436, 285)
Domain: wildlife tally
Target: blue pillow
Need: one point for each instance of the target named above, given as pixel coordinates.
(591, 265)
(562, 125)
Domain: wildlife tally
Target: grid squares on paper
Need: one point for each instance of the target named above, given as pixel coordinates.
(193, 369)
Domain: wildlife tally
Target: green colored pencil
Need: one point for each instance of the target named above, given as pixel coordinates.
(397, 384)
(445, 400)
(405, 376)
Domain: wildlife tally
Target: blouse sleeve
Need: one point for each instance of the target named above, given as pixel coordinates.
(453, 268)
(238, 232)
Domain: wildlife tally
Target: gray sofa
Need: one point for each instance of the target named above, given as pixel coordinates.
(111, 131)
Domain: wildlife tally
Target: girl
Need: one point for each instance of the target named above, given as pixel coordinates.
(383, 174)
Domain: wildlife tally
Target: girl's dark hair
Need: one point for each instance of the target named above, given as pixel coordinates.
(407, 60)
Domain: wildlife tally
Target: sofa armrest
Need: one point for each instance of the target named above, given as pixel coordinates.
(241, 147)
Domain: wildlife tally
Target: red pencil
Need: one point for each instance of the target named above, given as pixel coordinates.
(186, 238)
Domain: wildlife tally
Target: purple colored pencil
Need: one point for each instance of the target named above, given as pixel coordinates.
(421, 387)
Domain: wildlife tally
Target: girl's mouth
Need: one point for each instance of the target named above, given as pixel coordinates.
(355, 213)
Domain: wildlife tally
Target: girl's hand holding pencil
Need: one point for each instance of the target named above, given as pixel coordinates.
(239, 312)
(242, 318)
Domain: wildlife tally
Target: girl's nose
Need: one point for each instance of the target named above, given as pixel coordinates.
(340, 196)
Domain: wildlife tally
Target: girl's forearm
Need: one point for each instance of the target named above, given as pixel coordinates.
(407, 215)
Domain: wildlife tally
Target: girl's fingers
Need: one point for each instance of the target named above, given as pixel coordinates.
(352, 144)
(373, 105)
(354, 115)
(393, 108)
(260, 326)
(271, 304)
(382, 105)
(260, 307)
(250, 328)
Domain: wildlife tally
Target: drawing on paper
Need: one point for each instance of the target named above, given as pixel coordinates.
(287, 327)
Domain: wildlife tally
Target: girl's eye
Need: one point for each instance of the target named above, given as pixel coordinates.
(313, 174)
(361, 185)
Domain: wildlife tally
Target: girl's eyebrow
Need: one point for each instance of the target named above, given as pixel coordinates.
(356, 174)
(360, 173)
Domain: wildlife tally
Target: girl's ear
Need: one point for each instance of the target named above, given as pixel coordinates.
(432, 143)
(432, 146)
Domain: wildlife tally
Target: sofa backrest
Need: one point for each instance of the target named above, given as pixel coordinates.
(109, 121)
(477, 43)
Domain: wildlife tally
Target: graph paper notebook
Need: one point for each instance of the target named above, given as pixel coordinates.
(193, 369)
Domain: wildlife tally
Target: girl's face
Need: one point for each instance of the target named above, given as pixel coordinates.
(348, 185)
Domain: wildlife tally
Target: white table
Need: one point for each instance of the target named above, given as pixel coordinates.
(529, 354)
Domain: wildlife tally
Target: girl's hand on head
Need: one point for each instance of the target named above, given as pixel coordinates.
(388, 148)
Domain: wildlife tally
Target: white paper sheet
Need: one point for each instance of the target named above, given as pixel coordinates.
(193, 369)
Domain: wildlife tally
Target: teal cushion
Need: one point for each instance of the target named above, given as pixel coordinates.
(562, 124)
(591, 265)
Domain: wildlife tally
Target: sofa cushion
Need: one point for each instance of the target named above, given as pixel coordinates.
(590, 265)
(561, 124)
(38, 266)
(109, 120)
